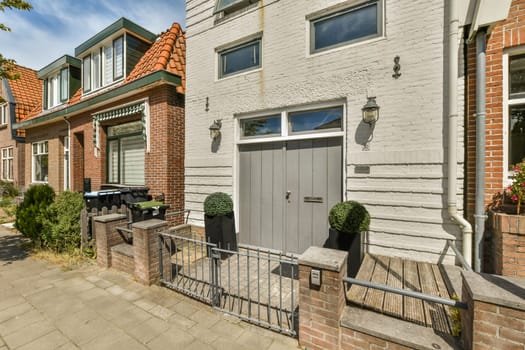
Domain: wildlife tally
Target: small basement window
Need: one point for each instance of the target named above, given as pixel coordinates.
(240, 58)
(346, 26)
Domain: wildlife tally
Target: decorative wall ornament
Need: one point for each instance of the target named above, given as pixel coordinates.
(397, 68)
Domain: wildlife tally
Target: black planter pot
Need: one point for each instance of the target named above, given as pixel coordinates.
(220, 230)
(350, 243)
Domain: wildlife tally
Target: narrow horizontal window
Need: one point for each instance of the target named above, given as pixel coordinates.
(357, 23)
(230, 5)
(240, 58)
(267, 126)
(316, 120)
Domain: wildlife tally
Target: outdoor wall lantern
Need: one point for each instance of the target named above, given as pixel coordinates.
(370, 111)
(215, 129)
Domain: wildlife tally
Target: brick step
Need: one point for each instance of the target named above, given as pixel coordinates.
(122, 258)
(360, 326)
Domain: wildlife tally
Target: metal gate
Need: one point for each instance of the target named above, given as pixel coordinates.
(258, 285)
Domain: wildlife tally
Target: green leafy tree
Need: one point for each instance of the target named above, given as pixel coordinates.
(6, 64)
(29, 213)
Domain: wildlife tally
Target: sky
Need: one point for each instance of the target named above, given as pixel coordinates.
(54, 28)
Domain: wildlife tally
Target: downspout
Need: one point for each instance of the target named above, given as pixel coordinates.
(69, 152)
(465, 226)
(479, 213)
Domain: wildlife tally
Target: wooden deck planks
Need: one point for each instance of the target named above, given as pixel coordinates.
(393, 304)
(357, 294)
(443, 292)
(374, 297)
(435, 315)
(413, 307)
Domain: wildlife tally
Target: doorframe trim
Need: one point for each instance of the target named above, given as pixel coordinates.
(306, 136)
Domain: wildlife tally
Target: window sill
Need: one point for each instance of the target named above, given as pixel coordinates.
(3, 126)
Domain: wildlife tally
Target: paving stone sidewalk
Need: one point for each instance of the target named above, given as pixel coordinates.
(43, 307)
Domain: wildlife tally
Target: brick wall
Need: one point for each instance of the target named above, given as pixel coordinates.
(107, 236)
(354, 340)
(54, 134)
(507, 34)
(508, 244)
(122, 262)
(495, 317)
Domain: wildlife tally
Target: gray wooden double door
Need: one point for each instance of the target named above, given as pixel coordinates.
(286, 190)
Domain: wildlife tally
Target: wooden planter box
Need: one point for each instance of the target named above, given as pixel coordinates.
(508, 243)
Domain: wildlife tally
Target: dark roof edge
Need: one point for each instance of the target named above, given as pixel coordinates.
(58, 63)
(160, 75)
(121, 23)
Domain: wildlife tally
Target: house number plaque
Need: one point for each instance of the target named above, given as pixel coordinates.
(313, 199)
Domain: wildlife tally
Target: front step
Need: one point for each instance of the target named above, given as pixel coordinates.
(122, 258)
(360, 326)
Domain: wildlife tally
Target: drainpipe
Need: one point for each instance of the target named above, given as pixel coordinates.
(479, 213)
(69, 150)
(465, 226)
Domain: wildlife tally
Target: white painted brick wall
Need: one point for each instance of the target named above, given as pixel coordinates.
(405, 190)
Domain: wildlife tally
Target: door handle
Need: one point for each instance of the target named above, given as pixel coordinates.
(288, 193)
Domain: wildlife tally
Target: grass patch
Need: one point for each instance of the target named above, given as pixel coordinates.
(67, 261)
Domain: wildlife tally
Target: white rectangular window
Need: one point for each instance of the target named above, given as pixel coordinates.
(108, 64)
(97, 70)
(228, 6)
(240, 58)
(4, 114)
(86, 73)
(7, 164)
(40, 161)
(118, 52)
(346, 26)
(64, 86)
(53, 91)
(125, 154)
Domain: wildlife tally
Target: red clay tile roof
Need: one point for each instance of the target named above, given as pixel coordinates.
(167, 53)
(26, 90)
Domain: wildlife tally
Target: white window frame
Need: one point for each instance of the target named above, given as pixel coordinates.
(507, 102)
(42, 149)
(220, 51)
(104, 72)
(286, 133)
(8, 160)
(4, 114)
(341, 9)
(235, 5)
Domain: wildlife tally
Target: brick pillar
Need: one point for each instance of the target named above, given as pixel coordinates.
(508, 239)
(107, 236)
(321, 307)
(146, 250)
(495, 318)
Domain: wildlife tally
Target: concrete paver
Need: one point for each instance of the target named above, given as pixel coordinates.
(44, 307)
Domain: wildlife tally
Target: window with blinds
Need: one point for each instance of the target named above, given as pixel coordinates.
(125, 148)
(104, 65)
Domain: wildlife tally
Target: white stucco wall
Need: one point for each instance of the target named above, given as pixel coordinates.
(405, 191)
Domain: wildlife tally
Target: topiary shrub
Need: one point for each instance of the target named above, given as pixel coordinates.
(29, 213)
(61, 222)
(218, 203)
(349, 217)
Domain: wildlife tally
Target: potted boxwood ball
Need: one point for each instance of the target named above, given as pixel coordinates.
(219, 222)
(347, 221)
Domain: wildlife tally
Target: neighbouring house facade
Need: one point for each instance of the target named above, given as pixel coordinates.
(18, 98)
(113, 114)
(288, 85)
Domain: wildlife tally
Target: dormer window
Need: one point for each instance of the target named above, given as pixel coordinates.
(4, 114)
(61, 80)
(103, 66)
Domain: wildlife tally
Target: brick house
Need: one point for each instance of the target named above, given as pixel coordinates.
(113, 114)
(18, 98)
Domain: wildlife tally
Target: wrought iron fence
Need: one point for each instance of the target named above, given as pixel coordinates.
(257, 285)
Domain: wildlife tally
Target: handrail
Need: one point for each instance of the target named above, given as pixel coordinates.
(462, 260)
(178, 212)
(406, 292)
